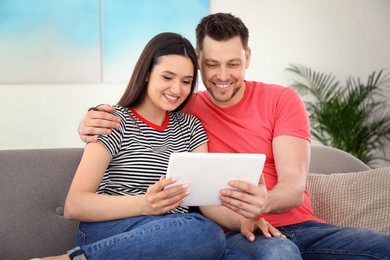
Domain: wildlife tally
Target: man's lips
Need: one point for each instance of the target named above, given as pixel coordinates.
(222, 86)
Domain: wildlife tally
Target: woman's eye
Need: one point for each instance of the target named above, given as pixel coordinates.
(167, 78)
(188, 82)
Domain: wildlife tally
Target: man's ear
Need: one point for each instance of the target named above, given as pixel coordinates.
(247, 57)
(197, 57)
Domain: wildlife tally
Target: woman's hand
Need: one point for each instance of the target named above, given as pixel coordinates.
(249, 226)
(160, 201)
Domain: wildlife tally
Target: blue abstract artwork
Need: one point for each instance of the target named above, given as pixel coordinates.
(85, 41)
(129, 25)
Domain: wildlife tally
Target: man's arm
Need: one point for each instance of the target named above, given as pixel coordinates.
(292, 160)
(98, 121)
(241, 211)
(292, 157)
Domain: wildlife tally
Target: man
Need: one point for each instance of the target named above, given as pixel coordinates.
(252, 117)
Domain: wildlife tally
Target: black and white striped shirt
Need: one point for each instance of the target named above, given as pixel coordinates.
(140, 150)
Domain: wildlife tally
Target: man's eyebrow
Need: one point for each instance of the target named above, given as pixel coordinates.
(234, 59)
(210, 60)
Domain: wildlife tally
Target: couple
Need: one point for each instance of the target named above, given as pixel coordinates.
(238, 116)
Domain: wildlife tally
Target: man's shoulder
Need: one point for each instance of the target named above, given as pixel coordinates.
(257, 85)
(268, 89)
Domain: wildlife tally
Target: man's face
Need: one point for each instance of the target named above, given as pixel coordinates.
(222, 66)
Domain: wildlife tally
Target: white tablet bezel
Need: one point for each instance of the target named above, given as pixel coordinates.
(207, 173)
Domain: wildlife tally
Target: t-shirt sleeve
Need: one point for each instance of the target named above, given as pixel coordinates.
(113, 141)
(198, 134)
(291, 116)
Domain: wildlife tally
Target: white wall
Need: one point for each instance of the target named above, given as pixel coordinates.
(47, 116)
(345, 37)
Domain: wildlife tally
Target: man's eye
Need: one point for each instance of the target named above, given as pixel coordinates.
(234, 65)
(211, 65)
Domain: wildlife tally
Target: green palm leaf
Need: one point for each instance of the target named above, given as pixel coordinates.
(354, 117)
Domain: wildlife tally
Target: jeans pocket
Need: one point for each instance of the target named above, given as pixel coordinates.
(81, 238)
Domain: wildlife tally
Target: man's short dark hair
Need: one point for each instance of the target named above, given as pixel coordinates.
(221, 27)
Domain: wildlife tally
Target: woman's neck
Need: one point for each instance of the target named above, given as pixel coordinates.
(155, 116)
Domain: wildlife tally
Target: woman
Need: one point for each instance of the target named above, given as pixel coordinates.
(118, 190)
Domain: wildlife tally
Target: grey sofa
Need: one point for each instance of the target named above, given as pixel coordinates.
(34, 184)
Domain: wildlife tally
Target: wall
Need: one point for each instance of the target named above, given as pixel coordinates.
(345, 37)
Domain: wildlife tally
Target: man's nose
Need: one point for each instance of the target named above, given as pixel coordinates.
(223, 73)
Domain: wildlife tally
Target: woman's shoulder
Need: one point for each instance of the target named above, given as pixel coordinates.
(183, 117)
(121, 112)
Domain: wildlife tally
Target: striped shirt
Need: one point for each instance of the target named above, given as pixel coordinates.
(140, 150)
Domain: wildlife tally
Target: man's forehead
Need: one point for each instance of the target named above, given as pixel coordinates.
(230, 49)
(222, 55)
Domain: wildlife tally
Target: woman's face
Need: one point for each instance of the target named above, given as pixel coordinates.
(169, 83)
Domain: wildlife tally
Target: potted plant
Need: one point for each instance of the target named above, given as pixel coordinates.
(354, 117)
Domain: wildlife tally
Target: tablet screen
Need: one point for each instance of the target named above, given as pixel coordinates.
(207, 173)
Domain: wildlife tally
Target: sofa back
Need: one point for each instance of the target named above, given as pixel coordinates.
(325, 159)
(34, 184)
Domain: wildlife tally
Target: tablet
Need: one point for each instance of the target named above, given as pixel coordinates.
(207, 173)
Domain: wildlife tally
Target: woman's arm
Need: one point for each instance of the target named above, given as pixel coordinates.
(84, 204)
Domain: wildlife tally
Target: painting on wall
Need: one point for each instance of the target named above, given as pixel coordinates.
(45, 41)
(85, 41)
(129, 26)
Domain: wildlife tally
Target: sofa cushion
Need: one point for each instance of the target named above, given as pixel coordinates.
(356, 199)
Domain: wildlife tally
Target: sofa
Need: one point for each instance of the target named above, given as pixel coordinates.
(34, 184)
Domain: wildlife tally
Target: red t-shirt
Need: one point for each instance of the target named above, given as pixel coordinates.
(265, 111)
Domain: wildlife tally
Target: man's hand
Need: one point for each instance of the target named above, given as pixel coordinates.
(249, 202)
(249, 226)
(98, 121)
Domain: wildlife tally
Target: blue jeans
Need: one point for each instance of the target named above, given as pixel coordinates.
(314, 240)
(263, 248)
(169, 236)
(324, 241)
